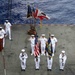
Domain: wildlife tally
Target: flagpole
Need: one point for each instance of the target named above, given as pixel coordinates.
(40, 23)
(34, 20)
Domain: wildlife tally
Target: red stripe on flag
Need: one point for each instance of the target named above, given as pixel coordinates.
(39, 14)
(36, 50)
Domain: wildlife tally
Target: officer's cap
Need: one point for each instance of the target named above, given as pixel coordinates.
(6, 20)
(63, 51)
(23, 50)
(0, 27)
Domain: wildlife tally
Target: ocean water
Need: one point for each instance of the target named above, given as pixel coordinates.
(60, 11)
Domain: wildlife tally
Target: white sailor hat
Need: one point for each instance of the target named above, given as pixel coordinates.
(52, 34)
(43, 34)
(32, 35)
(6, 20)
(23, 50)
(63, 51)
(0, 27)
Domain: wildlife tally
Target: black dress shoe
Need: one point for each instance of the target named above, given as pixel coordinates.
(62, 70)
(50, 69)
(22, 69)
(36, 69)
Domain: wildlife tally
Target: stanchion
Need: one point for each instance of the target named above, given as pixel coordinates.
(4, 62)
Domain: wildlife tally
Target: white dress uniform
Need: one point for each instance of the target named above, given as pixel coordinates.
(62, 60)
(37, 62)
(23, 57)
(43, 44)
(8, 29)
(49, 62)
(32, 41)
(53, 42)
(2, 34)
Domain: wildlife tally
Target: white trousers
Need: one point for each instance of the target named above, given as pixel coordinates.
(49, 63)
(23, 65)
(43, 49)
(53, 48)
(32, 48)
(37, 65)
(62, 65)
(8, 32)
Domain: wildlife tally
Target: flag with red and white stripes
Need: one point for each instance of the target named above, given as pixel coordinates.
(36, 50)
(40, 14)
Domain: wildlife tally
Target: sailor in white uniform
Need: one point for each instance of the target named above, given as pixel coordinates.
(49, 61)
(8, 25)
(37, 62)
(32, 41)
(2, 35)
(53, 42)
(62, 60)
(23, 57)
(43, 41)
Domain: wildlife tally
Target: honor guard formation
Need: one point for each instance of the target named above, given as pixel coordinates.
(40, 46)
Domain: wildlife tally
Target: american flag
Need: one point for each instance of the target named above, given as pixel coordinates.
(40, 14)
(36, 50)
